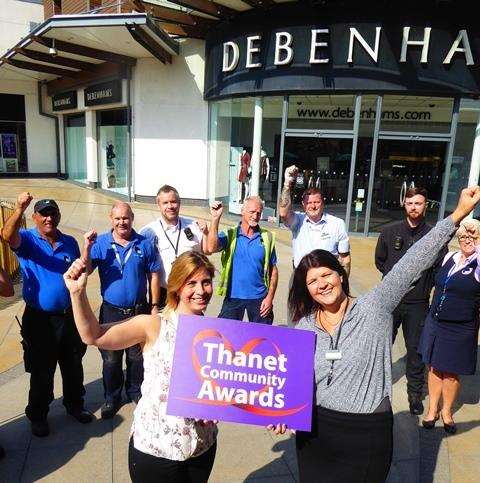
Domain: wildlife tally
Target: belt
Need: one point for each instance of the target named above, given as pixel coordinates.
(126, 310)
(57, 313)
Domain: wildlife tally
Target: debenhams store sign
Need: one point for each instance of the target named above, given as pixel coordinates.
(344, 56)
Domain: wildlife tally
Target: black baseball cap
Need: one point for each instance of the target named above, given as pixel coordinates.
(43, 204)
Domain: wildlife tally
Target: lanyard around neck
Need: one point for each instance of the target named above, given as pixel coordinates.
(175, 247)
(117, 256)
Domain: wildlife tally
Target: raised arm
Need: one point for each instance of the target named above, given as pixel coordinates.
(11, 229)
(422, 254)
(216, 211)
(89, 239)
(142, 329)
(285, 209)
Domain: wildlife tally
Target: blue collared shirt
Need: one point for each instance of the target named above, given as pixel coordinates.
(329, 233)
(43, 268)
(125, 284)
(246, 279)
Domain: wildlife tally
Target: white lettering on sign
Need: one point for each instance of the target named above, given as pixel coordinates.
(62, 102)
(284, 43)
(103, 94)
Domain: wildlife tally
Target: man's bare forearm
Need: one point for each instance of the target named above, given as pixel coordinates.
(285, 204)
(10, 231)
(345, 262)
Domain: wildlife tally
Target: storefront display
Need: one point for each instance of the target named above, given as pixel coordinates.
(75, 148)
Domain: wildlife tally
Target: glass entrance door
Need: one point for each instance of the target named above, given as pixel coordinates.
(402, 163)
(324, 163)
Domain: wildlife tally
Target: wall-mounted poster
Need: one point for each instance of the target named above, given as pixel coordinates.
(11, 165)
(9, 145)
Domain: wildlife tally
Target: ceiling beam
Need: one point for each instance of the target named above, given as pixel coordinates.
(86, 51)
(107, 70)
(260, 3)
(147, 43)
(208, 7)
(183, 30)
(177, 16)
(62, 61)
(46, 69)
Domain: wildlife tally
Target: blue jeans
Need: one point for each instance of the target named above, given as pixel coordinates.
(113, 378)
(235, 309)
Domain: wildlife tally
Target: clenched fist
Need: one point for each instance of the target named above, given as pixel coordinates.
(23, 200)
(290, 174)
(469, 198)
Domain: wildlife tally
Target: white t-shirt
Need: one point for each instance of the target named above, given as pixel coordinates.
(172, 241)
(328, 234)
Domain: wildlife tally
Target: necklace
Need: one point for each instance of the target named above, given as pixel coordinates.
(326, 322)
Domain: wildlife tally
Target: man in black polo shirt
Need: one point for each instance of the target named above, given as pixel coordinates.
(392, 244)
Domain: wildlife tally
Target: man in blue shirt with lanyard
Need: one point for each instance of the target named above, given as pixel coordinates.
(48, 330)
(125, 261)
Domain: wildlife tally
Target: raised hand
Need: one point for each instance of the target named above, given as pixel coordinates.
(76, 276)
(89, 239)
(216, 210)
(23, 200)
(469, 198)
(202, 225)
(290, 174)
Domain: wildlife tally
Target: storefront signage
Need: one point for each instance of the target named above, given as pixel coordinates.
(64, 101)
(297, 49)
(104, 93)
(240, 372)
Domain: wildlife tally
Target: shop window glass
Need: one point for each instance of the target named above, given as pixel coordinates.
(462, 155)
(230, 150)
(416, 114)
(321, 112)
(13, 147)
(113, 154)
(75, 148)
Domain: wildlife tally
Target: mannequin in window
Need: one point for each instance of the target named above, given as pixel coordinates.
(264, 171)
(244, 173)
(110, 153)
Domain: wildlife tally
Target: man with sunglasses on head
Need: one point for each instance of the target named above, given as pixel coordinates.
(48, 329)
(392, 244)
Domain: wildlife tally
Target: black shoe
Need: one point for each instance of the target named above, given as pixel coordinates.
(40, 428)
(416, 405)
(81, 415)
(450, 428)
(2, 452)
(109, 410)
(430, 424)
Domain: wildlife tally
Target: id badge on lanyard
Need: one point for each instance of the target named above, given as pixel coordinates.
(119, 260)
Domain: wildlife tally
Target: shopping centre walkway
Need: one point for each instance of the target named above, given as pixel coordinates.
(98, 451)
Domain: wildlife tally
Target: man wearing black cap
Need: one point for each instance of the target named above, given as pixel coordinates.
(48, 330)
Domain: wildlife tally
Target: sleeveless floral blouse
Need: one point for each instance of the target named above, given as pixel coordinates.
(153, 431)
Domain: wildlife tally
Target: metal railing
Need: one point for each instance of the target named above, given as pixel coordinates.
(8, 260)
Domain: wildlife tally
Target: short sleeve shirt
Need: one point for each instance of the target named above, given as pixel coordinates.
(246, 280)
(123, 271)
(43, 267)
(171, 241)
(328, 234)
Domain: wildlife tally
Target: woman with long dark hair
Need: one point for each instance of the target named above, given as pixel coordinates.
(351, 436)
(162, 448)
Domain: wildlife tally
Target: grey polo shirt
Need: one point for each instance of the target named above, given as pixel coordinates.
(328, 234)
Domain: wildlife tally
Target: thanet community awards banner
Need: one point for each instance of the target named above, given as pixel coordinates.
(242, 372)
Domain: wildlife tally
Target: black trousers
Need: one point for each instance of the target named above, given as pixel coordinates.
(49, 339)
(112, 371)
(412, 319)
(345, 447)
(145, 468)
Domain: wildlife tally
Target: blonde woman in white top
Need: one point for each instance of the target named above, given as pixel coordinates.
(162, 448)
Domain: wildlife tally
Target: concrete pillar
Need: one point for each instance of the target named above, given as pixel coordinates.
(257, 146)
(475, 164)
(91, 148)
(61, 136)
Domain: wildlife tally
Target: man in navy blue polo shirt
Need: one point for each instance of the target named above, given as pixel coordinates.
(249, 275)
(48, 330)
(125, 261)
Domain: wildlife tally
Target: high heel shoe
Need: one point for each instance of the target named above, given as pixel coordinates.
(450, 428)
(429, 424)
